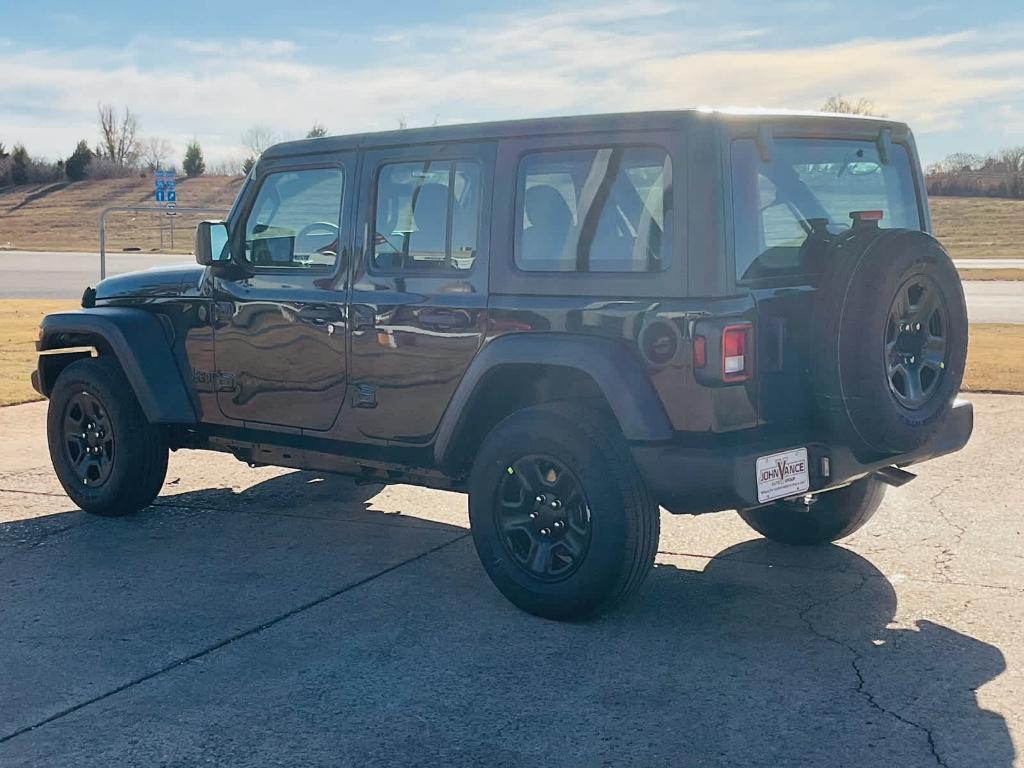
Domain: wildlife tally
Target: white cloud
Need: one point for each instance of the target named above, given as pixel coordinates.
(604, 58)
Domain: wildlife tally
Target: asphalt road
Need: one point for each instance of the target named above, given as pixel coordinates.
(43, 275)
(266, 617)
(30, 274)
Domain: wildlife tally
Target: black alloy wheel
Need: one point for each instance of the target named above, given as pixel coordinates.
(88, 439)
(543, 517)
(109, 459)
(916, 342)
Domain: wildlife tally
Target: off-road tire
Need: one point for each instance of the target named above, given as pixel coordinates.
(139, 452)
(868, 269)
(833, 515)
(624, 519)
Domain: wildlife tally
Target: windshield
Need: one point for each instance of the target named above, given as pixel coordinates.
(788, 209)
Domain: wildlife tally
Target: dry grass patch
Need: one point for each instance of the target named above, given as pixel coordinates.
(979, 227)
(65, 216)
(995, 358)
(992, 274)
(19, 324)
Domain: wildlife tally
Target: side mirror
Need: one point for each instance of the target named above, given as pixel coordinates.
(212, 247)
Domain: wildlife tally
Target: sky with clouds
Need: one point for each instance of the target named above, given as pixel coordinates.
(953, 70)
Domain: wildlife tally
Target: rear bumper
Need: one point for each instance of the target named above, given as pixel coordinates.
(691, 480)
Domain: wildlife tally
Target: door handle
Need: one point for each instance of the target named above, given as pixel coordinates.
(444, 319)
(319, 314)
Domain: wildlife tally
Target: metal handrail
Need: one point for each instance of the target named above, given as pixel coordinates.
(138, 209)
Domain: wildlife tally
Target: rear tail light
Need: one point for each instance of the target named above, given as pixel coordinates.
(736, 349)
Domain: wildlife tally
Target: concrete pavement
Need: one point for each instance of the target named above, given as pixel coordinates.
(264, 617)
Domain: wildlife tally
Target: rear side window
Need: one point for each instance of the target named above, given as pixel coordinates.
(786, 210)
(594, 210)
(427, 216)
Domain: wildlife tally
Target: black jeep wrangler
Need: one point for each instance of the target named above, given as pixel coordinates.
(575, 320)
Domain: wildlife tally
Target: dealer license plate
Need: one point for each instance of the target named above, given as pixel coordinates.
(782, 474)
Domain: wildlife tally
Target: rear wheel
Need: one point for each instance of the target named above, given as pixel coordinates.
(108, 458)
(561, 518)
(821, 518)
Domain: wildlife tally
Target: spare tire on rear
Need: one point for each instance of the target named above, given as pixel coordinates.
(892, 339)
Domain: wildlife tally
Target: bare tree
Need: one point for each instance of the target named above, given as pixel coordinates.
(120, 140)
(963, 161)
(318, 130)
(257, 139)
(1012, 159)
(841, 105)
(154, 151)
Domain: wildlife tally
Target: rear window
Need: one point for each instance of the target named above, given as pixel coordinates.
(786, 210)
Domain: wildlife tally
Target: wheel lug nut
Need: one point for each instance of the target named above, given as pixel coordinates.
(558, 523)
(912, 360)
(545, 531)
(917, 327)
(539, 499)
(533, 515)
(556, 504)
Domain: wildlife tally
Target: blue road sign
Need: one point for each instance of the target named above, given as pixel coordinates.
(166, 187)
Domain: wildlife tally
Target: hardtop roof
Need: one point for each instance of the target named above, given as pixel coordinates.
(619, 121)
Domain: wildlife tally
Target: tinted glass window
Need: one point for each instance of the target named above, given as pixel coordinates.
(594, 210)
(787, 210)
(294, 221)
(427, 216)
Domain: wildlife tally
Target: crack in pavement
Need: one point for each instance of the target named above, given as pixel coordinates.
(228, 640)
(946, 549)
(856, 658)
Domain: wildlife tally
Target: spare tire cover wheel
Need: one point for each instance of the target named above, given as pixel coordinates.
(898, 347)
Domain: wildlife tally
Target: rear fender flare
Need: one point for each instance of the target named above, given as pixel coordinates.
(616, 370)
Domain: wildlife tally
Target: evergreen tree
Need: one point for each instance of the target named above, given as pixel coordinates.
(76, 165)
(250, 161)
(20, 163)
(318, 130)
(193, 163)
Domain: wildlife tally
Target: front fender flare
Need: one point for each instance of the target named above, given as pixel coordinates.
(616, 370)
(138, 341)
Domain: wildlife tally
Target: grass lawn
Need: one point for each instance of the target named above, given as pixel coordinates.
(19, 324)
(995, 361)
(979, 227)
(992, 274)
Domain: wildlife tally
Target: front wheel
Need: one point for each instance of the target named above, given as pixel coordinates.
(822, 518)
(109, 458)
(561, 518)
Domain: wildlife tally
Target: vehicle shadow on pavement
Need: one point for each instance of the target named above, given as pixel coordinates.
(760, 655)
(916, 681)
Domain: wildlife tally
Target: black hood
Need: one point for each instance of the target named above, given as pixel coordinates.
(158, 282)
